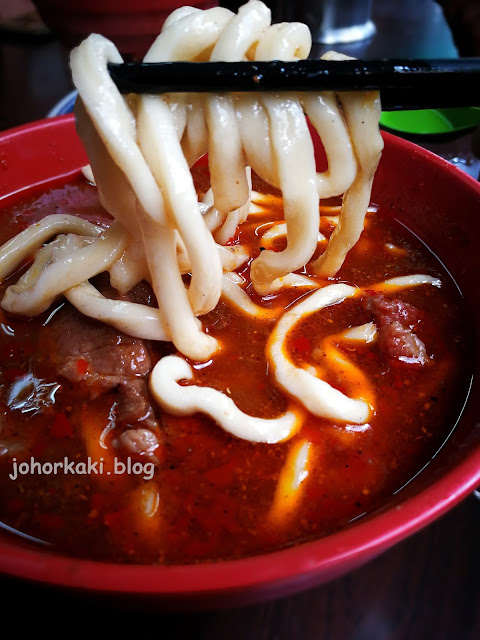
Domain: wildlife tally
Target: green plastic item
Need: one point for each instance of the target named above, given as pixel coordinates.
(431, 121)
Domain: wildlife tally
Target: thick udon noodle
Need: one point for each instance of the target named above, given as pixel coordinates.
(141, 149)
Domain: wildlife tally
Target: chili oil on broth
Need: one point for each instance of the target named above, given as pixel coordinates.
(215, 492)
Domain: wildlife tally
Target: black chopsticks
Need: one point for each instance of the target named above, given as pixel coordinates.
(404, 84)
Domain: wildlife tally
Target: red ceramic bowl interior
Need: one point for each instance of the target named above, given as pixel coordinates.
(132, 26)
(441, 205)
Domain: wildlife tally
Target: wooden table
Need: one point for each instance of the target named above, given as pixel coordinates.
(426, 587)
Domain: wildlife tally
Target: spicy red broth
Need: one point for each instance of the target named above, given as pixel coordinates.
(209, 495)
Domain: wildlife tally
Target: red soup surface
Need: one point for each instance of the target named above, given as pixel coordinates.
(206, 495)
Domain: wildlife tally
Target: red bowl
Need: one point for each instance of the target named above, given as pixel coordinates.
(440, 204)
(131, 26)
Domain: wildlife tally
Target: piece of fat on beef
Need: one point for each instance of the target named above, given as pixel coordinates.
(102, 359)
(395, 321)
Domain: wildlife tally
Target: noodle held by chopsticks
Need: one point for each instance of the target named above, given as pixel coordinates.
(141, 150)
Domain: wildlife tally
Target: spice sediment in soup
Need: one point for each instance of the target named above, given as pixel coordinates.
(211, 495)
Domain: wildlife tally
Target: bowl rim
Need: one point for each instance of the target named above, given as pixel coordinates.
(358, 542)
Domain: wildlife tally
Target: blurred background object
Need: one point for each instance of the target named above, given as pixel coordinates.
(13, 8)
(131, 25)
(19, 19)
(463, 17)
(330, 21)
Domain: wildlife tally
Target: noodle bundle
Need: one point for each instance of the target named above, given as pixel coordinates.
(141, 150)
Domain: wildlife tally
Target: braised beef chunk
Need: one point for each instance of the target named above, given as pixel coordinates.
(135, 405)
(102, 360)
(395, 322)
(94, 352)
(141, 293)
(141, 441)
